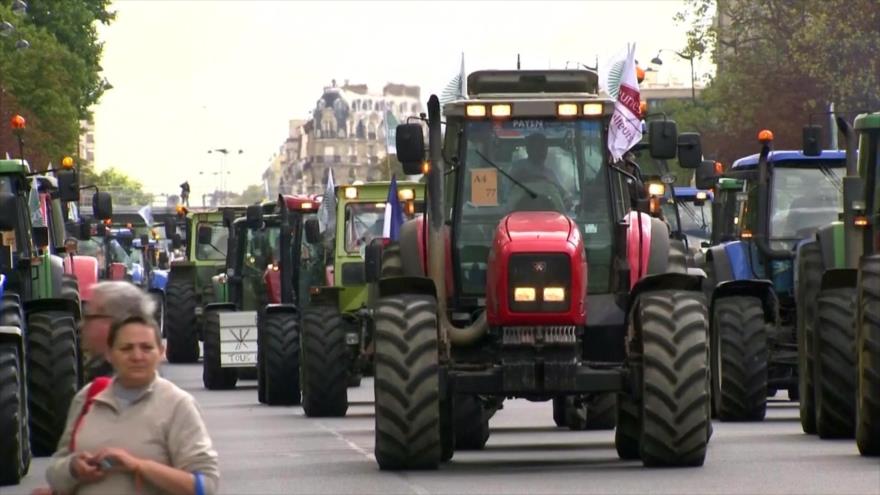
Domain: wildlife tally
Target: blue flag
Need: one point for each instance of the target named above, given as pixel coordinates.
(393, 213)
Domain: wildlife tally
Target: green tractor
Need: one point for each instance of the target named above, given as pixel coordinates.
(189, 279)
(840, 388)
(337, 327)
(255, 326)
(38, 314)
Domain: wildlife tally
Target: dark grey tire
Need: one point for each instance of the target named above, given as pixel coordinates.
(52, 376)
(182, 344)
(280, 345)
(70, 288)
(392, 263)
(601, 412)
(407, 384)
(159, 314)
(739, 353)
(628, 430)
(678, 257)
(809, 271)
(834, 369)
(471, 424)
(559, 411)
(868, 348)
(675, 394)
(215, 377)
(14, 451)
(325, 362)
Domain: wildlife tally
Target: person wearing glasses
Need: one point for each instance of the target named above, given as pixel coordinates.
(112, 302)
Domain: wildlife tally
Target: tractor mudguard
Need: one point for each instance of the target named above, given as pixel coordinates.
(839, 278)
(13, 335)
(760, 288)
(220, 306)
(281, 308)
(56, 268)
(324, 295)
(52, 304)
(718, 263)
(664, 281)
(392, 286)
(737, 254)
(831, 244)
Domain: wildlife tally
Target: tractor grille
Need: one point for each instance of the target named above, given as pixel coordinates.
(564, 335)
(538, 271)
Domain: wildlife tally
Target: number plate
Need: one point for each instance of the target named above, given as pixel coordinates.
(238, 346)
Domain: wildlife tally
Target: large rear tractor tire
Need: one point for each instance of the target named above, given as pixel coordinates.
(407, 383)
(325, 362)
(601, 412)
(739, 354)
(834, 368)
(392, 263)
(675, 392)
(214, 376)
(280, 350)
(14, 449)
(471, 424)
(52, 376)
(809, 272)
(868, 349)
(182, 344)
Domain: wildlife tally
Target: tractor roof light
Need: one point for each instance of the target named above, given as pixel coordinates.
(593, 109)
(566, 109)
(501, 110)
(67, 162)
(406, 194)
(765, 136)
(656, 188)
(351, 193)
(18, 122)
(719, 167)
(426, 167)
(475, 111)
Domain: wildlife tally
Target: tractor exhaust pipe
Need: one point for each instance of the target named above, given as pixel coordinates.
(449, 333)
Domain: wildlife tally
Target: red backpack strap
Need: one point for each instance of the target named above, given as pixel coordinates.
(95, 388)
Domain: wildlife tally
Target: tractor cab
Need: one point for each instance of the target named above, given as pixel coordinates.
(694, 215)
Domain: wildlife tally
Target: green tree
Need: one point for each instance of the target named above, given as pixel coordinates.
(125, 190)
(55, 81)
(252, 194)
(779, 64)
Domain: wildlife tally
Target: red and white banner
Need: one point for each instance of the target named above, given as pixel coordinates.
(626, 126)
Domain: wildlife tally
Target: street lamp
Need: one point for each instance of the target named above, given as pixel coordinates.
(223, 173)
(690, 58)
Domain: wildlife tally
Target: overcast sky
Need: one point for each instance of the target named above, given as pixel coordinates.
(189, 76)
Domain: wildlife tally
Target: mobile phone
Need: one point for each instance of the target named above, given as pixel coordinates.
(107, 463)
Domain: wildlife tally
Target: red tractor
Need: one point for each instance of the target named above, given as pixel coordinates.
(536, 273)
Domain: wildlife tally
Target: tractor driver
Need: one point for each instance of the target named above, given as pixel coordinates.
(535, 173)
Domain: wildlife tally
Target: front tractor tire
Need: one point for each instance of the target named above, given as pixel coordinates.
(739, 354)
(52, 376)
(834, 366)
(214, 376)
(182, 344)
(868, 351)
(470, 422)
(407, 384)
(325, 372)
(279, 351)
(14, 451)
(675, 395)
(809, 278)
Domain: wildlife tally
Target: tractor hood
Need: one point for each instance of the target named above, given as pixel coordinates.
(538, 226)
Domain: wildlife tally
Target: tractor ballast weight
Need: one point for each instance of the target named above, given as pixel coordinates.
(461, 323)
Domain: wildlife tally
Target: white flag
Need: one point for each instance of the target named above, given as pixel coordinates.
(626, 127)
(327, 210)
(147, 214)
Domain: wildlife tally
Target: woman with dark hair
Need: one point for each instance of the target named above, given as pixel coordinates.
(137, 432)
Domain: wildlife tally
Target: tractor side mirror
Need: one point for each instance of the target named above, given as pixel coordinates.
(254, 216)
(85, 231)
(40, 236)
(373, 260)
(410, 148)
(8, 211)
(102, 205)
(68, 185)
(228, 217)
(662, 139)
(170, 227)
(313, 231)
(205, 234)
(812, 140)
(690, 150)
(705, 175)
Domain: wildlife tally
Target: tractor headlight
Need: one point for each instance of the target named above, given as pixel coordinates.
(524, 294)
(554, 294)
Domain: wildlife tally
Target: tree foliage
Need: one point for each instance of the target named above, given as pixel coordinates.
(252, 194)
(124, 189)
(55, 81)
(779, 64)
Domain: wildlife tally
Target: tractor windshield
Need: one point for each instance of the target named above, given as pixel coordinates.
(216, 249)
(553, 166)
(804, 198)
(365, 221)
(696, 220)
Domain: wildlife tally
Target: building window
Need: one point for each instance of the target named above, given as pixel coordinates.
(329, 151)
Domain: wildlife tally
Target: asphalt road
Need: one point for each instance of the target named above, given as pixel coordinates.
(267, 450)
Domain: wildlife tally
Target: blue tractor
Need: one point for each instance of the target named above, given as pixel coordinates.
(777, 199)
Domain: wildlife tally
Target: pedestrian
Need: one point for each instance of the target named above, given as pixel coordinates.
(184, 193)
(141, 434)
(70, 246)
(112, 302)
